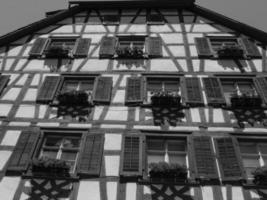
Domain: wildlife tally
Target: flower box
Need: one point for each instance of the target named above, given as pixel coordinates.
(245, 101)
(55, 52)
(74, 98)
(130, 52)
(260, 175)
(169, 99)
(230, 51)
(164, 172)
(50, 167)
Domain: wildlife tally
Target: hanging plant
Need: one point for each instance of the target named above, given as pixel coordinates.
(260, 175)
(129, 52)
(164, 98)
(230, 51)
(74, 98)
(245, 100)
(57, 51)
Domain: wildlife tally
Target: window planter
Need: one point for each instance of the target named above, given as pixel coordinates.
(171, 173)
(57, 52)
(260, 176)
(74, 98)
(46, 166)
(233, 51)
(130, 52)
(245, 101)
(168, 99)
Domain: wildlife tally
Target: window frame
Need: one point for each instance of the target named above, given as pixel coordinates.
(156, 22)
(108, 22)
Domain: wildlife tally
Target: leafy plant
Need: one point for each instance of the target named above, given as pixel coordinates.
(165, 99)
(165, 170)
(73, 98)
(260, 175)
(129, 52)
(57, 51)
(230, 51)
(245, 100)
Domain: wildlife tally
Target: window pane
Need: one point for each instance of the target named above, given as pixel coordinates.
(228, 86)
(49, 154)
(246, 147)
(179, 159)
(263, 148)
(171, 86)
(68, 155)
(156, 144)
(246, 87)
(249, 171)
(53, 141)
(154, 86)
(176, 145)
(71, 142)
(155, 158)
(86, 85)
(70, 85)
(251, 161)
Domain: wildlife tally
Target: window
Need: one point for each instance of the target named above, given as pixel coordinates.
(111, 20)
(61, 147)
(170, 150)
(254, 154)
(217, 42)
(155, 19)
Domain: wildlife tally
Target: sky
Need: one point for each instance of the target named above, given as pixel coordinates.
(15, 14)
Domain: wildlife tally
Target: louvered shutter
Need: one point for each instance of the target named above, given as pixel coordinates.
(214, 92)
(204, 158)
(91, 156)
(261, 85)
(154, 47)
(250, 48)
(102, 90)
(203, 47)
(107, 47)
(134, 90)
(21, 156)
(48, 89)
(131, 156)
(193, 93)
(229, 159)
(39, 47)
(3, 82)
(82, 47)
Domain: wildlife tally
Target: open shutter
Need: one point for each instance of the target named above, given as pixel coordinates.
(131, 156)
(3, 82)
(261, 85)
(154, 46)
(107, 48)
(250, 47)
(193, 93)
(229, 159)
(91, 156)
(134, 90)
(21, 156)
(204, 158)
(102, 90)
(214, 92)
(82, 47)
(48, 89)
(203, 47)
(38, 47)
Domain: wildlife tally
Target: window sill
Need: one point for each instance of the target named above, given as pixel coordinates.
(166, 181)
(30, 175)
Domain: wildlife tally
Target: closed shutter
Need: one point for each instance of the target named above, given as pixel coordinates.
(214, 92)
(134, 90)
(48, 89)
(204, 158)
(23, 151)
(107, 48)
(3, 82)
(102, 90)
(91, 156)
(250, 47)
(193, 93)
(38, 47)
(229, 160)
(261, 85)
(82, 47)
(154, 47)
(203, 47)
(132, 156)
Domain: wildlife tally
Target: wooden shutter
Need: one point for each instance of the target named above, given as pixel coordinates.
(102, 90)
(229, 159)
(261, 85)
(107, 48)
(21, 156)
(48, 89)
(3, 82)
(203, 47)
(251, 50)
(154, 46)
(131, 156)
(82, 47)
(38, 47)
(134, 90)
(91, 155)
(214, 91)
(193, 93)
(204, 158)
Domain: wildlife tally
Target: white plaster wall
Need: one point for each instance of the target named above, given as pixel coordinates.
(4, 109)
(131, 191)
(112, 164)
(11, 94)
(112, 141)
(25, 111)
(202, 28)
(117, 113)
(89, 190)
(112, 190)
(10, 138)
(30, 95)
(119, 97)
(95, 65)
(8, 187)
(172, 38)
(163, 65)
(14, 51)
(4, 157)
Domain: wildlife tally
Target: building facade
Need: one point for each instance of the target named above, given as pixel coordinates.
(143, 100)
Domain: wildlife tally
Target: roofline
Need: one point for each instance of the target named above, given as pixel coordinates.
(21, 32)
(243, 28)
